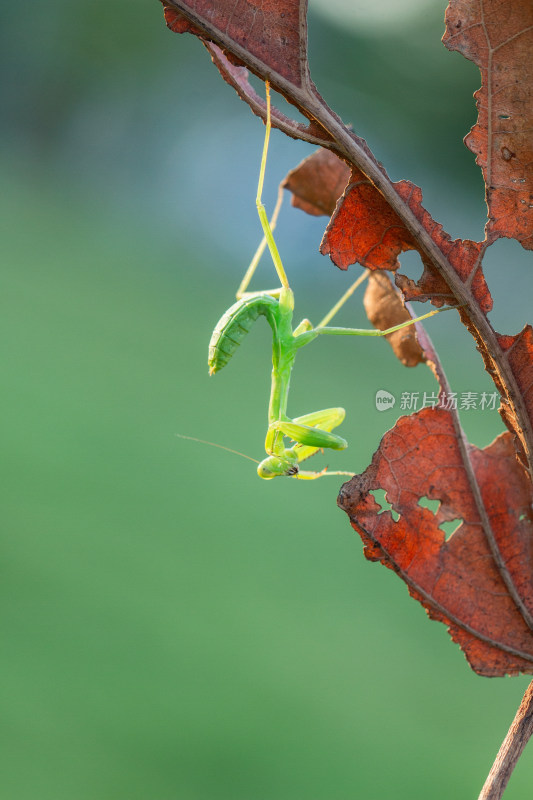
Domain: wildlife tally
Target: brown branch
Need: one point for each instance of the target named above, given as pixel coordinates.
(511, 749)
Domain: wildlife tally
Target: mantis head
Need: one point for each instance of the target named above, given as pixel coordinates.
(278, 466)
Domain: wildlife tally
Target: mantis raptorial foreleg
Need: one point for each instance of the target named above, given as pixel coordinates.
(310, 432)
(313, 436)
(326, 420)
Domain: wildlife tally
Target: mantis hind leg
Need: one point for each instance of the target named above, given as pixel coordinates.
(339, 304)
(242, 290)
(267, 226)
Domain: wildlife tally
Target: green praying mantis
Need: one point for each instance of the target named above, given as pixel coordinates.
(310, 432)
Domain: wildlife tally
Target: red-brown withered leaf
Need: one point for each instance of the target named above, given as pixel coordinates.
(367, 230)
(269, 33)
(479, 582)
(498, 37)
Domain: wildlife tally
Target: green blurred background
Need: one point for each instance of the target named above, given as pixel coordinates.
(173, 628)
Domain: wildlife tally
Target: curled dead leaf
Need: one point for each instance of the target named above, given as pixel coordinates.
(385, 309)
(177, 23)
(317, 183)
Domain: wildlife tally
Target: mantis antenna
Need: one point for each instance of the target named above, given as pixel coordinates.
(220, 446)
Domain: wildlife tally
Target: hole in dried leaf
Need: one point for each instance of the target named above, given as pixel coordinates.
(449, 527)
(507, 268)
(433, 505)
(411, 265)
(379, 496)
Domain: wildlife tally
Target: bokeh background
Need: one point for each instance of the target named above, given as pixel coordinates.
(173, 628)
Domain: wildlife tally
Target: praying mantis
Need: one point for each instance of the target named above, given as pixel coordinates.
(310, 432)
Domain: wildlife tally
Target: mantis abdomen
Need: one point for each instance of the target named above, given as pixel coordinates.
(233, 326)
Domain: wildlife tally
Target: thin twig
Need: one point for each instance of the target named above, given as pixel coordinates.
(511, 749)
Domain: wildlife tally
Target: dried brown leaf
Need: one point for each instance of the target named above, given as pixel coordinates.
(498, 37)
(385, 309)
(318, 182)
